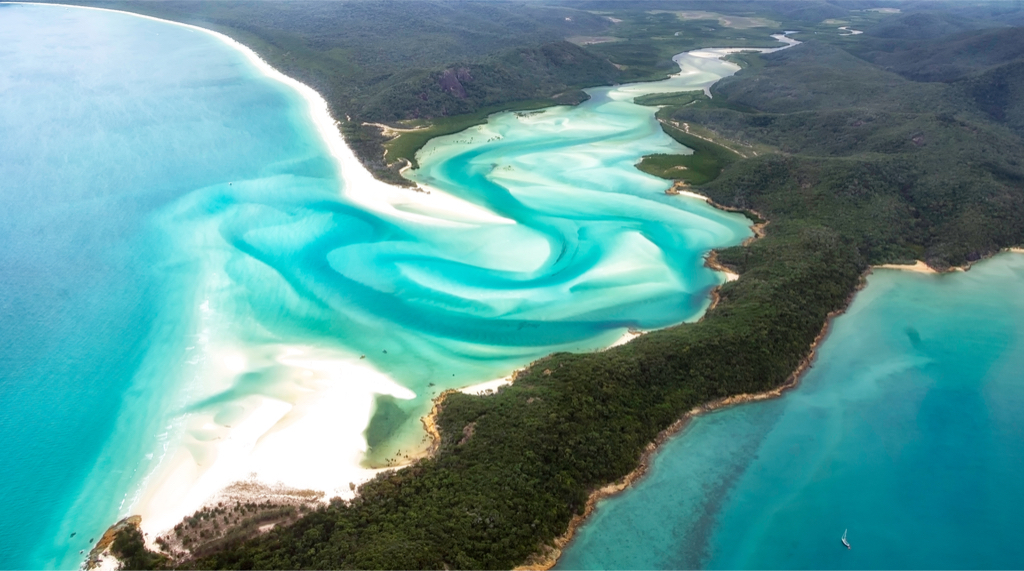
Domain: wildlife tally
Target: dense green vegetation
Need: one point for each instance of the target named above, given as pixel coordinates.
(130, 549)
(857, 125)
(517, 75)
(877, 168)
(393, 60)
(435, 61)
(678, 98)
(405, 146)
(703, 166)
(649, 40)
(872, 166)
(571, 423)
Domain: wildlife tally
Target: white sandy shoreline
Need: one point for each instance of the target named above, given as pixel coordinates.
(486, 387)
(918, 267)
(922, 268)
(258, 445)
(256, 448)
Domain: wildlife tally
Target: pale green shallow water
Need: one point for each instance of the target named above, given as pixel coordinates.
(181, 253)
(908, 431)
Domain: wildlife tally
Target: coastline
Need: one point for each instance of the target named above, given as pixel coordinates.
(550, 554)
(486, 387)
(490, 387)
(711, 261)
(194, 487)
(644, 463)
(922, 267)
(548, 558)
(277, 445)
(182, 485)
(360, 186)
(918, 267)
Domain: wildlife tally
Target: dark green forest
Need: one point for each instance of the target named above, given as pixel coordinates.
(902, 143)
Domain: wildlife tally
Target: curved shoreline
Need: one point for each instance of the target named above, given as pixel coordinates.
(550, 554)
(358, 182)
(922, 267)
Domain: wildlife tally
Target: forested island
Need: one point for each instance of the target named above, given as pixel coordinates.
(902, 143)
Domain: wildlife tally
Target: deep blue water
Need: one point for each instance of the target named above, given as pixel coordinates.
(907, 431)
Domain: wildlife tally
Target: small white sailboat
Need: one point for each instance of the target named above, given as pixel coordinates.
(846, 543)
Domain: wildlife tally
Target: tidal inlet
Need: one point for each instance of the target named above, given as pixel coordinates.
(203, 286)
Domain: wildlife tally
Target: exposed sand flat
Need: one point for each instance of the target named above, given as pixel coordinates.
(626, 338)
(487, 387)
(692, 195)
(437, 207)
(308, 439)
(280, 442)
(919, 267)
(306, 433)
(719, 53)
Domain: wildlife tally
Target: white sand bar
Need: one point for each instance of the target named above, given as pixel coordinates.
(485, 388)
(918, 267)
(310, 439)
(313, 440)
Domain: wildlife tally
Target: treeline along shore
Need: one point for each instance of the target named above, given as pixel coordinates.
(855, 166)
(433, 67)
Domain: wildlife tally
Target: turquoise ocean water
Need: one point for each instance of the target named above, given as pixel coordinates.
(173, 226)
(907, 431)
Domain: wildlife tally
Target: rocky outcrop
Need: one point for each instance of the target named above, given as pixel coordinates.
(451, 81)
(100, 555)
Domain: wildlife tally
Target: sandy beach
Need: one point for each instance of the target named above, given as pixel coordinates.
(923, 268)
(917, 267)
(279, 442)
(625, 338)
(549, 554)
(486, 387)
(692, 195)
(431, 207)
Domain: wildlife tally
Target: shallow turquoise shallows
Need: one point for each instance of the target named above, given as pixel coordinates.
(908, 431)
(173, 223)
